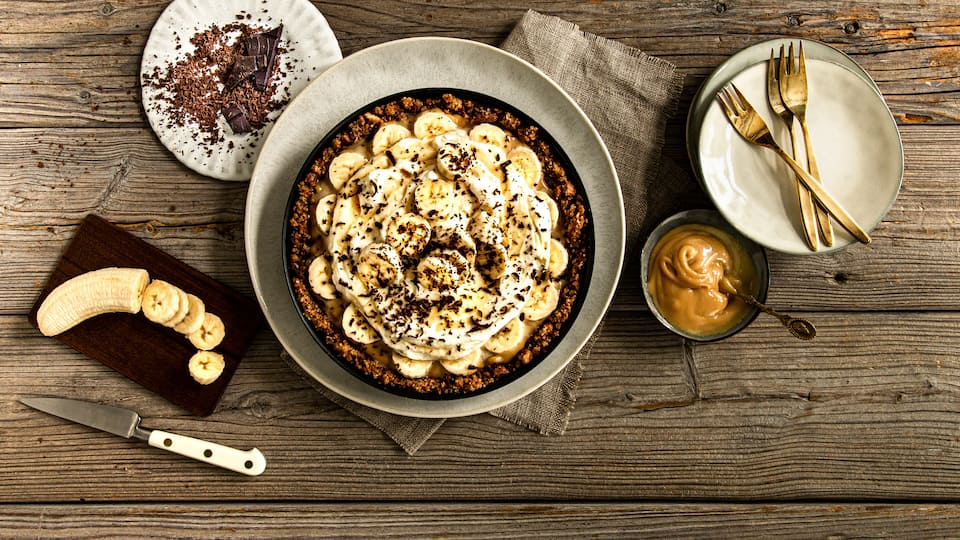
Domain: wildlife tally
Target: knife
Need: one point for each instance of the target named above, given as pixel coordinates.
(126, 423)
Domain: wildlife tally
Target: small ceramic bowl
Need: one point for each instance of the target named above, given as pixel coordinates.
(713, 219)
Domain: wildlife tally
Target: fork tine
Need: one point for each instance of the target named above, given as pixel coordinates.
(734, 102)
(783, 65)
(743, 100)
(803, 63)
(793, 67)
(726, 108)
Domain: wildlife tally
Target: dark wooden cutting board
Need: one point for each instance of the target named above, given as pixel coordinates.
(148, 353)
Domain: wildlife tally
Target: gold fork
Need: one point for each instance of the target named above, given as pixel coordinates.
(808, 216)
(751, 127)
(793, 88)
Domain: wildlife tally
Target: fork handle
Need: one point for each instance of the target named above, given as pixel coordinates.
(825, 229)
(824, 198)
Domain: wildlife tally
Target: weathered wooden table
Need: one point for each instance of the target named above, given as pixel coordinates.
(854, 433)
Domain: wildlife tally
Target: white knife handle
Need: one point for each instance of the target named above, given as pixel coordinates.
(250, 462)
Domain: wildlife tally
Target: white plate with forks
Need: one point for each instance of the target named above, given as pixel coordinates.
(855, 139)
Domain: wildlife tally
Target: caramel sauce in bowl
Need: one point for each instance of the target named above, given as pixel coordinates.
(691, 263)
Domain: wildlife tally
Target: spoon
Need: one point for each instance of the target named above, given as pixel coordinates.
(800, 328)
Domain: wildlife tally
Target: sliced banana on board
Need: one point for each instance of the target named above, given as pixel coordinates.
(356, 327)
(433, 123)
(206, 366)
(434, 197)
(108, 290)
(194, 317)
(387, 136)
(543, 300)
(320, 275)
(183, 306)
(161, 301)
(412, 369)
(210, 334)
(343, 166)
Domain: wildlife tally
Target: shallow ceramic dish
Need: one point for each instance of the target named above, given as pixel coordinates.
(392, 68)
(743, 59)
(856, 142)
(310, 47)
(714, 219)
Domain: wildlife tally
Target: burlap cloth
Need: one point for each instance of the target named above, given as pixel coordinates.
(628, 96)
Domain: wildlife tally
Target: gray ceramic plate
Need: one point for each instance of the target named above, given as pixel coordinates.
(405, 65)
(743, 59)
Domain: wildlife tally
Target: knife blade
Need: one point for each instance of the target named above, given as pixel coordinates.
(126, 423)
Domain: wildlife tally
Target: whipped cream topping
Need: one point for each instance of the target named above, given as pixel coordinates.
(440, 241)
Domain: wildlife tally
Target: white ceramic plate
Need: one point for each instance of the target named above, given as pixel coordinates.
(405, 65)
(856, 142)
(755, 54)
(310, 48)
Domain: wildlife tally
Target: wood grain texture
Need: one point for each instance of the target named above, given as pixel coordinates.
(78, 65)
(129, 178)
(479, 520)
(866, 412)
(761, 416)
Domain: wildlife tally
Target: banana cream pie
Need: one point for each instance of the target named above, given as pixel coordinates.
(437, 244)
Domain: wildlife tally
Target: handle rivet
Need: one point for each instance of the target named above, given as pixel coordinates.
(207, 453)
(167, 442)
(248, 464)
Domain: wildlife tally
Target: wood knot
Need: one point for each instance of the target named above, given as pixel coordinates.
(851, 28)
(841, 277)
(794, 20)
(107, 8)
(719, 8)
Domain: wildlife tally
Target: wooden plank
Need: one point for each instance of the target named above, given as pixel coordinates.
(126, 176)
(866, 411)
(480, 520)
(78, 66)
(148, 353)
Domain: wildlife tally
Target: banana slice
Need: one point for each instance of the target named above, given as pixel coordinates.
(210, 333)
(108, 290)
(411, 369)
(206, 366)
(324, 213)
(433, 123)
(489, 134)
(412, 149)
(183, 306)
(434, 197)
(194, 318)
(379, 265)
(356, 327)
(492, 157)
(508, 338)
(378, 163)
(524, 160)
(387, 136)
(543, 300)
(320, 275)
(454, 159)
(463, 366)
(343, 166)
(442, 271)
(408, 234)
(552, 205)
(558, 258)
(161, 302)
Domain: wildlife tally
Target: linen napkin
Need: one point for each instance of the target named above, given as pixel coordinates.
(628, 96)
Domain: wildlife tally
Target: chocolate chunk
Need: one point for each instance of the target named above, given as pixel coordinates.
(264, 44)
(237, 118)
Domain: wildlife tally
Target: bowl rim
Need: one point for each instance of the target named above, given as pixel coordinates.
(714, 218)
(559, 154)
